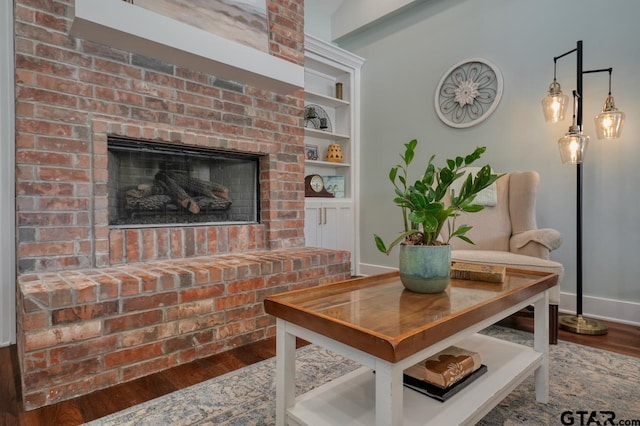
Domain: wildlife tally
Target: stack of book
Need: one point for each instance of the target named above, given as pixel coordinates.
(445, 373)
(478, 272)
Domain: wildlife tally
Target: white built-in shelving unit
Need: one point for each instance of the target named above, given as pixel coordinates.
(332, 222)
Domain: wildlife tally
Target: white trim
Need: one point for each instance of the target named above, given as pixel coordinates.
(7, 178)
(355, 173)
(333, 52)
(135, 29)
(618, 311)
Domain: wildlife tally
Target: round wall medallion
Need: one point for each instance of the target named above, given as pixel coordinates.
(468, 93)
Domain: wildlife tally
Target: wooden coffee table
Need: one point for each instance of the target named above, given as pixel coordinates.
(377, 323)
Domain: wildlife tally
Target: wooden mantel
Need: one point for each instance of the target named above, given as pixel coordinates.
(135, 29)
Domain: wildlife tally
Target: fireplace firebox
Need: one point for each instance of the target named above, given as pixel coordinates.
(153, 184)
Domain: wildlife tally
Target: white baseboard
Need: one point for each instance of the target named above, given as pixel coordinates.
(369, 269)
(600, 308)
(594, 307)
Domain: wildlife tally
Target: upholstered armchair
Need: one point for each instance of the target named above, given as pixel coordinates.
(506, 233)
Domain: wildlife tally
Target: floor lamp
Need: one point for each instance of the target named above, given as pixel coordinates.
(572, 150)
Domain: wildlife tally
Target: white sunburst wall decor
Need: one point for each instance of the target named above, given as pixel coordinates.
(468, 93)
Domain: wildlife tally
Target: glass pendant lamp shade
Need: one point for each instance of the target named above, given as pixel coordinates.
(609, 122)
(573, 146)
(554, 105)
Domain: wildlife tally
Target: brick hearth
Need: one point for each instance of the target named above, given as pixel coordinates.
(88, 329)
(98, 305)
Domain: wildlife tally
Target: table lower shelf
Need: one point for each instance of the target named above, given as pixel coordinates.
(350, 399)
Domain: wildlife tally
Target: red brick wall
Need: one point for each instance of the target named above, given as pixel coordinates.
(72, 93)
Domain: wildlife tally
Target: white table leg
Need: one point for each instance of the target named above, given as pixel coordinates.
(388, 394)
(285, 371)
(541, 344)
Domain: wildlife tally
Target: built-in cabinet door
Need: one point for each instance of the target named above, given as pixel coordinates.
(312, 224)
(329, 227)
(343, 235)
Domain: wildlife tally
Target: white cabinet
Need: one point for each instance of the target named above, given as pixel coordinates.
(332, 222)
(329, 224)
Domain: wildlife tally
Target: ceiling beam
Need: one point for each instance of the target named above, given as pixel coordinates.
(355, 15)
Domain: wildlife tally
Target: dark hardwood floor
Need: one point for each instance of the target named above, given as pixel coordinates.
(621, 338)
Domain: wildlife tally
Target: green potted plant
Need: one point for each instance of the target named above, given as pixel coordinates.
(427, 206)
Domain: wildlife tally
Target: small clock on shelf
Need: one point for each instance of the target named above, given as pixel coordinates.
(314, 187)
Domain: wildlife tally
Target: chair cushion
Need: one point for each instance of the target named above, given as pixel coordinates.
(502, 258)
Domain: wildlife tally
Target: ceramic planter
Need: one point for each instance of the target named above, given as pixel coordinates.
(425, 269)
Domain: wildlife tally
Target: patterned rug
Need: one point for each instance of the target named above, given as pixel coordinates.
(586, 386)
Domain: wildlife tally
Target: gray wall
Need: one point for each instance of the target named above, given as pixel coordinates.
(407, 55)
(317, 17)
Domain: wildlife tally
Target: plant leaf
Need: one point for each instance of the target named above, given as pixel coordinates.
(446, 176)
(417, 216)
(463, 238)
(379, 243)
(472, 208)
(410, 151)
(451, 164)
(462, 229)
(418, 200)
(430, 224)
(393, 173)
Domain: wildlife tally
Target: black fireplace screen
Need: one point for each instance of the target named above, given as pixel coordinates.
(154, 185)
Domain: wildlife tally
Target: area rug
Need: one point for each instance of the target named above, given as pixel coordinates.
(586, 385)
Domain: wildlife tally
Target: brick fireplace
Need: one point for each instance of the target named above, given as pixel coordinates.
(101, 304)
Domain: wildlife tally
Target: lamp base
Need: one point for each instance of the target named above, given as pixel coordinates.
(581, 325)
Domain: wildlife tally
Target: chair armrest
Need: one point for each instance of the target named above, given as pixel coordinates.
(536, 242)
